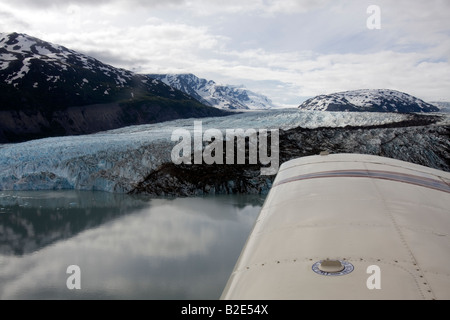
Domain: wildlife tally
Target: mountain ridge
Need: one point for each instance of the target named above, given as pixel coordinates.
(50, 90)
(368, 100)
(228, 97)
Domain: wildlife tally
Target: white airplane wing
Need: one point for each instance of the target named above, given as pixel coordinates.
(349, 226)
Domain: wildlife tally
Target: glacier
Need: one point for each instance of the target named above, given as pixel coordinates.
(118, 160)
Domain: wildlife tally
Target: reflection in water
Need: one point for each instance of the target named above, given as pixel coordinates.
(127, 247)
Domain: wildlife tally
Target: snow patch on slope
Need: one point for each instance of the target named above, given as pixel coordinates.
(379, 100)
(25, 48)
(216, 95)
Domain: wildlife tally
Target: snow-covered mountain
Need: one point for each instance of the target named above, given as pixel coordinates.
(216, 95)
(368, 100)
(138, 158)
(442, 105)
(48, 90)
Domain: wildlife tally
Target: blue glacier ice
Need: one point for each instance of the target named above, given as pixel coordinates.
(117, 160)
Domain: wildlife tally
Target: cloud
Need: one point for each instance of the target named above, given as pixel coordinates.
(302, 46)
(308, 74)
(46, 4)
(294, 6)
(10, 22)
(201, 7)
(144, 47)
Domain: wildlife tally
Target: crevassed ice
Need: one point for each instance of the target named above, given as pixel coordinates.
(116, 160)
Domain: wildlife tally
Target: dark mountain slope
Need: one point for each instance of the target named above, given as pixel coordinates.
(49, 90)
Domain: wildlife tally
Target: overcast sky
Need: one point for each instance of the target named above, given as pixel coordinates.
(288, 50)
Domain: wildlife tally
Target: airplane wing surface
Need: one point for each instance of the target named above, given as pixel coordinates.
(349, 226)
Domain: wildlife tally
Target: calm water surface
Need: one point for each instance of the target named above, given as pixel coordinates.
(126, 247)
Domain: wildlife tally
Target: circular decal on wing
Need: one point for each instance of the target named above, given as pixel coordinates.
(344, 268)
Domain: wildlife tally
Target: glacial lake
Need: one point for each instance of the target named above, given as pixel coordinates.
(125, 247)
